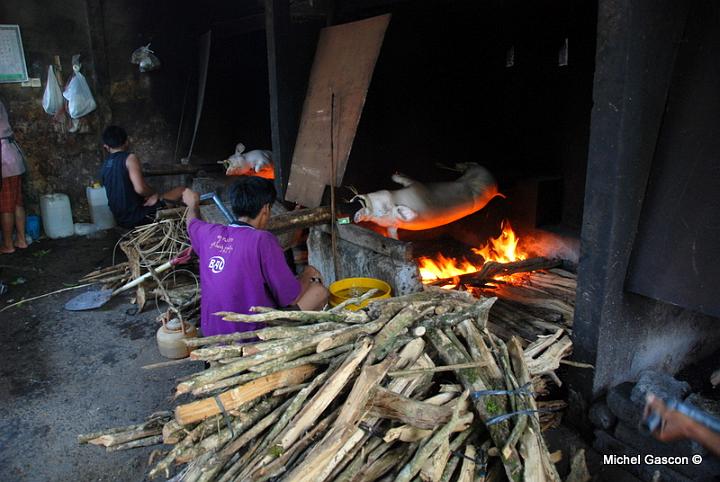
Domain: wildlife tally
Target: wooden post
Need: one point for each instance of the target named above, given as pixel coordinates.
(283, 115)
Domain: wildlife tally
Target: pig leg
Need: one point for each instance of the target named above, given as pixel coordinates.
(403, 180)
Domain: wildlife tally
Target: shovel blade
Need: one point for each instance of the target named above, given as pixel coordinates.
(89, 300)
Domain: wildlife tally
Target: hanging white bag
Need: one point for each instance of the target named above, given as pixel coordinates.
(80, 99)
(53, 97)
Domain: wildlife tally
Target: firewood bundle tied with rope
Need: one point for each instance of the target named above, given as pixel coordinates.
(411, 388)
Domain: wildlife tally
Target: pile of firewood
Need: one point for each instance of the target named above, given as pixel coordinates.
(414, 387)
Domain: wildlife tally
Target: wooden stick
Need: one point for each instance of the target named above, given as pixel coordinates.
(355, 301)
(207, 427)
(143, 442)
(317, 464)
(304, 316)
(467, 471)
(272, 366)
(413, 467)
(444, 368)
(43, 296)
(491, 269)
(299, 219)
(387, 404)
(335, 383)
(270, 333)
(124, 437)
(383, 340)
(218, 461)
(202, 409)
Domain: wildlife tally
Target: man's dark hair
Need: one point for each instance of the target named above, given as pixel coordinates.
(114, 136)
(249, 194)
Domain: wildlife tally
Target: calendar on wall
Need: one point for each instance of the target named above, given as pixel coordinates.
(12, 57)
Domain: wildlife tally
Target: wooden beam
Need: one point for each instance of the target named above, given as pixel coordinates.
(283, 116)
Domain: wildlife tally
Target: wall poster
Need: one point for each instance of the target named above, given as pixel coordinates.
(12, 57)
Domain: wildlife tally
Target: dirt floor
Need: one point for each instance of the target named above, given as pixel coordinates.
(65, 373)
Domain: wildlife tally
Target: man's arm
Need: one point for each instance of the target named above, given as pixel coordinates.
(192, 201)
(136, 176)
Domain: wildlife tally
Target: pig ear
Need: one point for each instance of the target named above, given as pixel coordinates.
(405, 213)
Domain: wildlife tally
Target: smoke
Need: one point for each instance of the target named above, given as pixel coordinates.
(551, 245)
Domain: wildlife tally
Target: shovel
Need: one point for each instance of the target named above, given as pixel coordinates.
(95, 299)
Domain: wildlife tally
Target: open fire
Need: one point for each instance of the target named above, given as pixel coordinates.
(503, 249)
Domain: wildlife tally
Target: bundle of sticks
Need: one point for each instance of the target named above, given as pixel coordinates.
(411, 388)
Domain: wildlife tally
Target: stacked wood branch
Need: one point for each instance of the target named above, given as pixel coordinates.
(412, 388)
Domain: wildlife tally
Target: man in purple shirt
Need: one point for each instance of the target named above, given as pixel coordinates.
(241, 265)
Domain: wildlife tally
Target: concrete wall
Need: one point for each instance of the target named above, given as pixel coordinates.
(619, 332)
(105, 34)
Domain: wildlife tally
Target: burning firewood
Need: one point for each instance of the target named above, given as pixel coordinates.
(361, 398)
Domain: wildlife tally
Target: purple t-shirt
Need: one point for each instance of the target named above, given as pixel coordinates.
(240, 267)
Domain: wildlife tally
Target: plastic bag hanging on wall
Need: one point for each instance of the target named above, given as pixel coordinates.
(145, 58)
(80, 99)
(53, 97)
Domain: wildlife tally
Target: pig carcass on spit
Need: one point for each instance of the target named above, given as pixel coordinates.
(419, 206)
(252, 163)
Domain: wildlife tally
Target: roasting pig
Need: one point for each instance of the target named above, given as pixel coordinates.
(419, 206)
(252, 163)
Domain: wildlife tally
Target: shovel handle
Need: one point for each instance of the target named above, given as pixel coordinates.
(182, 258)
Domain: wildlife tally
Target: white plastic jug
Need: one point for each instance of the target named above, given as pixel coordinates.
(56, 215)
(100, 212)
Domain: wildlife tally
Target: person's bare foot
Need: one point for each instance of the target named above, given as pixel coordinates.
(6, 250)
(21, 244)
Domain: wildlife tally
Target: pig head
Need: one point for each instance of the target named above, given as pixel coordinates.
(419, 206)
(252, 163)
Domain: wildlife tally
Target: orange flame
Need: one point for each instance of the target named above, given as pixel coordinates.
(503, 249)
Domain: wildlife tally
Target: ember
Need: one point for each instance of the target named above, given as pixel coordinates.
(503, 249)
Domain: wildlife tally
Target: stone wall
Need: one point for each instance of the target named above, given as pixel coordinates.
(104, 34)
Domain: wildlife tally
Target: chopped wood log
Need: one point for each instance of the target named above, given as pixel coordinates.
(279, 465)
(347, 335)
(531, 442)
(492, 269)
(272, 366)
(315, 465)
(218, 461)
(123, 437)
(202, 409)
(335, 383)
(446, 368)
(433, 468)
(442, 460)
(302, 316)
(550, 359)
(270, 333)
(355, 301)
(486, 408)
(467, 471)
(218, 373)
(405, 318)
(386, 404)
(299, 219)
(243, 422)
(413, 467)
(86, 437)
(203, 429)
(173, 432)
(142, 442)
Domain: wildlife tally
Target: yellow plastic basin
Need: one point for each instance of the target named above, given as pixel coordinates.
(348, 288)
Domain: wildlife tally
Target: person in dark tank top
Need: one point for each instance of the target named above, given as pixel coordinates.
(132, 201)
